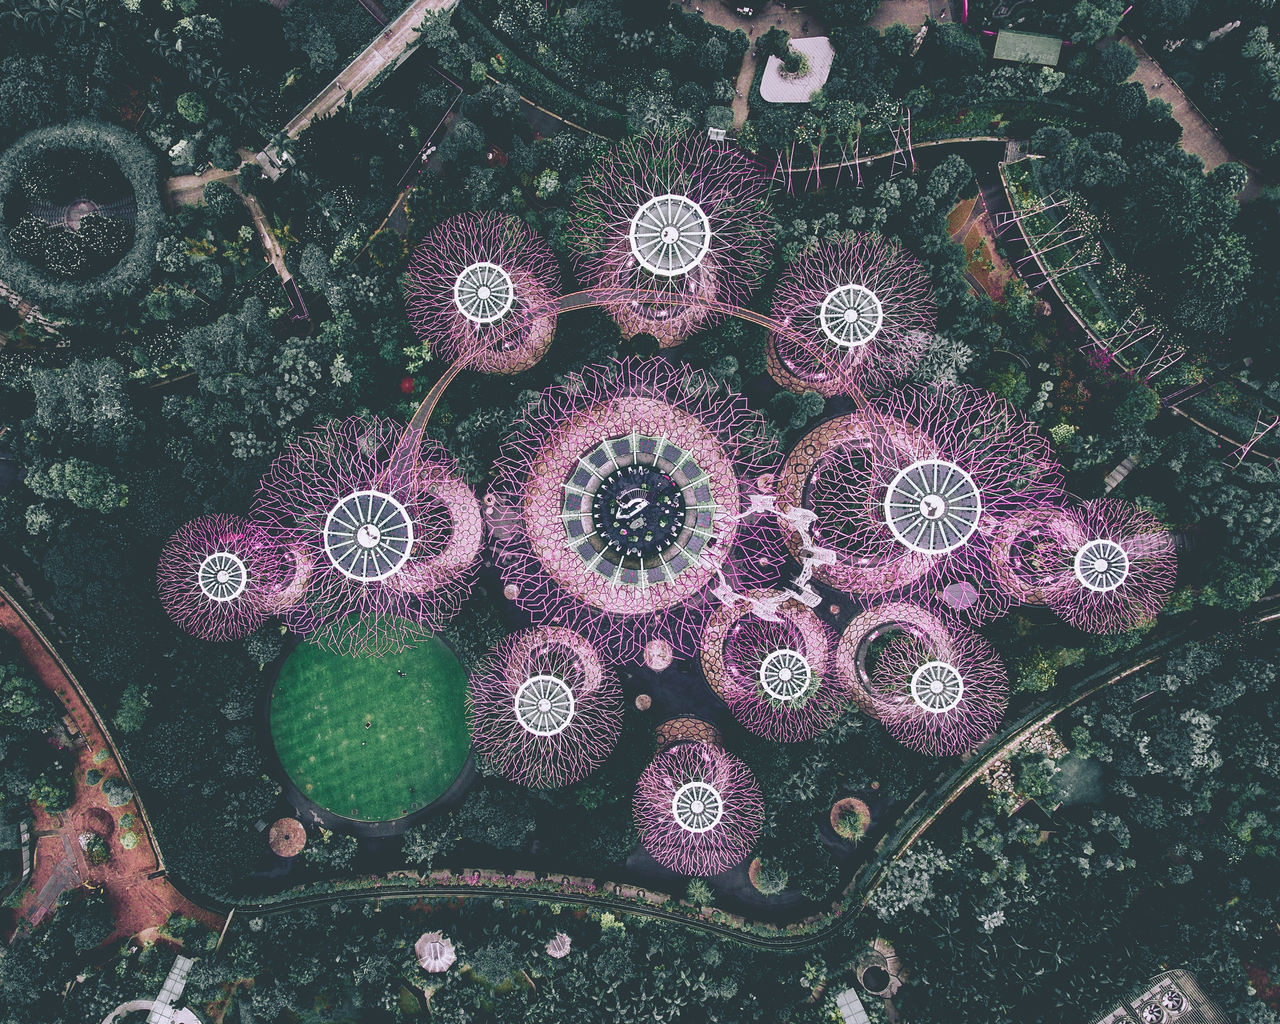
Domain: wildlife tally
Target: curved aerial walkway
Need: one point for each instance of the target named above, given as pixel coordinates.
(912, 824)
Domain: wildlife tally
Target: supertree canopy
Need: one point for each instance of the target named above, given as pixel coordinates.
(864, 301)
(390, 532)
(774, 674)
(1119, 567)
(216, 577)
(482, 288)
(545, 711)
(907, 491)
(668, 226)
(942, 695)
(622, 505)
(698, 809)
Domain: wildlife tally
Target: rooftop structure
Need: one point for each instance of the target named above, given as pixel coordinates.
(666, 227)
(906, 491)
(940, 696)
(776, 86)
(386, 538)
(775, 675)
(545, 711)
(216, 576)
(559, 945)
(287, 837)
(698, 809)
(482, 289)
(621, 505)
(434, 952)
(1027, 48)
(866, 301)
(1118, 569)
(1171, 997)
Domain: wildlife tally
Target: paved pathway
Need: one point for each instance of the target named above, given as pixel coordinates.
(768, 15)
(389, 49)
(139, 897)
(1198, 135)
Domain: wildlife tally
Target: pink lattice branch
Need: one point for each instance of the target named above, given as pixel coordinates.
(482, 289)
(908, 491)
(775, 675)
(1119, 569)
(383, 542)
(939, 695)
(563, 475)
(215, 576)
(698, 809)
(864, 300)
(544, 710)
(666, 218)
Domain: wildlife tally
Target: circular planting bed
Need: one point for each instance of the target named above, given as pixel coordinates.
(375, 739)
(79, 214)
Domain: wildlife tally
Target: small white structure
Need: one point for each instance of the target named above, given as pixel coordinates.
(435, 953)
(777, 87)
(558, 947)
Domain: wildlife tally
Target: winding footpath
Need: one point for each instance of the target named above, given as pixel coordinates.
(140, 897)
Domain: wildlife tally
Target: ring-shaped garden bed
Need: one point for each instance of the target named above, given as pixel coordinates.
(80, 214)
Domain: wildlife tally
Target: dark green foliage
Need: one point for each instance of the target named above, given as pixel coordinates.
(42, 166)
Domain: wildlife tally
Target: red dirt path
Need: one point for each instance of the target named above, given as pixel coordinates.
(140, 903)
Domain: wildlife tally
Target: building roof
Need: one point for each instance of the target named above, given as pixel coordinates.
(851, 1008)
(1172, 997)
(774, 88)
(1027, 48)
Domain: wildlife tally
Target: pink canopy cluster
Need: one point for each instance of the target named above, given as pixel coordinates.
(698, 809)
(623, 505)
(862, 302)
(939, 695)
(907, 491)
(217, 577)
(775, 674)
(1104, 566)
(544, 710)
(666, 228)
(380, 534)
(482, 288)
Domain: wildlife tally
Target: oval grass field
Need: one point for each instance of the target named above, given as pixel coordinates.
(364, 741)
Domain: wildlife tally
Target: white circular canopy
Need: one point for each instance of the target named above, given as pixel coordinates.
(368, 536)
(222, 576)
(670, 235)
(785, 675)
(544, 705)
(484, 293)
(1101, 565)
(851, 316)
(937, 687)
(697, 807)
(932, 506)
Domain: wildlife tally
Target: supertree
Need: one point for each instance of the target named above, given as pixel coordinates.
(544, 710)
(908, 490)
(859, 637)
(668, 226)
(1026, 552)
(774, 674)
(389, 532)
(939, 696)
(698, 809)
(622, 506)
(864, 301)
(216, 576)
(1119, 567)
(482, 288)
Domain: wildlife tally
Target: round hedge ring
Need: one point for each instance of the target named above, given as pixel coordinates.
(80, 214)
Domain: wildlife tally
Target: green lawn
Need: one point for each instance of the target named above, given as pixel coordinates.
(365, 742)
